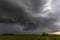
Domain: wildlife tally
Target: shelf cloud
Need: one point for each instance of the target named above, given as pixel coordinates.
(28, 16)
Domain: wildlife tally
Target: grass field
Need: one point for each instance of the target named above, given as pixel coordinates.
(29, 37)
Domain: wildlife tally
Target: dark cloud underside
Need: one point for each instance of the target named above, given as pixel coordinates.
(10, 13)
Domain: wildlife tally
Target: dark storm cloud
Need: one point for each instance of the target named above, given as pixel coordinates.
(10, 13)
(17, 29)
(40, 22)
(10, 28)
(37, 4)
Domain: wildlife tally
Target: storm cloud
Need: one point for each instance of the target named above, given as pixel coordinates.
(22, 17)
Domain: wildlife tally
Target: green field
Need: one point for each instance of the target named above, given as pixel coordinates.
(29, 37)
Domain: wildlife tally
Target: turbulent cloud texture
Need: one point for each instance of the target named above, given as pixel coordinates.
(26, 16)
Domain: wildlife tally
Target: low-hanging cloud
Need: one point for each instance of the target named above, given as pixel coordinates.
(11, 12)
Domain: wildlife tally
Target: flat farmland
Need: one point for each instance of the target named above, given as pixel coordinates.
(29, 37)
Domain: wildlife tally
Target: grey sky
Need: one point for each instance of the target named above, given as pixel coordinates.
(45, 18)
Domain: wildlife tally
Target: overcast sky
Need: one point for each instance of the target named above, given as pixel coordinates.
(36, 17)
